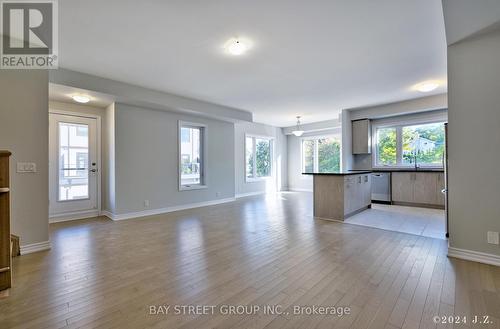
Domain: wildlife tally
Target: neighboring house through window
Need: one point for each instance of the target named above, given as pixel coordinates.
(191, 158)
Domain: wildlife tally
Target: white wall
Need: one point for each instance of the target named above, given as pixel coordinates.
(474, 142)
(280, 177)
(24, 130)
(146, 160)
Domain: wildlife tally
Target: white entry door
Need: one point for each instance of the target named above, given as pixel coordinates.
(73, 166)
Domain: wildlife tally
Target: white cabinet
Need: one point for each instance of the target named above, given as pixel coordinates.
(361, 137)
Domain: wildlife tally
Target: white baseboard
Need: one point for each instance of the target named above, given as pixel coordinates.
(73, 216)
(35, 247)
(474, 256)
(159, 211)
(242, 195)
(300, 190)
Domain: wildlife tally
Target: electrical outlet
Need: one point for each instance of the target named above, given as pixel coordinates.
(146, 203)
(26, 167)
(492, 237)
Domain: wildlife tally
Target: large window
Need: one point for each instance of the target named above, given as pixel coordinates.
(258, 157)
(409, 145)
(321, 154)
(191, 157)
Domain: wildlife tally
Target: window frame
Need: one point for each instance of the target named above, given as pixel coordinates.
(203, 153)
(315, 138)
(254, 177)
(399, 125)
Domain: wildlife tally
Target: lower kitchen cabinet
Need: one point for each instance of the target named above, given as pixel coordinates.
(420, 188)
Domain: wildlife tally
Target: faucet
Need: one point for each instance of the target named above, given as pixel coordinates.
(415, 160)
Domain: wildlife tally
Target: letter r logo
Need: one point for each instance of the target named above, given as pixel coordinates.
(27, 28)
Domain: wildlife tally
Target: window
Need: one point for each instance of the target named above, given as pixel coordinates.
(258, 157)
(321, 154)
(191, 156)
(73, 161)
(407, 145)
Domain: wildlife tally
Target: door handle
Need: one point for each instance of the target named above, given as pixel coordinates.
(93, 170)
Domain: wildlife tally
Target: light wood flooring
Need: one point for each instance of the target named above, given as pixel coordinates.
(255, 251)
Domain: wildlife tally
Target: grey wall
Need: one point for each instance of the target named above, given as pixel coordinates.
(279, 181)
(474, 141)
(108, 160)
(24, 130)
(146, 160)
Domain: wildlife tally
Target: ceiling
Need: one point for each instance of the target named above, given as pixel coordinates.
(310, 58)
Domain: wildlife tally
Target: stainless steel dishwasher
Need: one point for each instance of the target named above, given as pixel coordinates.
(381, 187)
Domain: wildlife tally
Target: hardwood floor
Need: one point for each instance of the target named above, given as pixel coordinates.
(255, 251)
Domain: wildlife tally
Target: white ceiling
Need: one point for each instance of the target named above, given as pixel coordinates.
(309, 58)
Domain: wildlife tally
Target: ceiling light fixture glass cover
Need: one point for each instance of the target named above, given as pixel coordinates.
(81, 98)
(427, 86)
(298, 132)
(236, 47)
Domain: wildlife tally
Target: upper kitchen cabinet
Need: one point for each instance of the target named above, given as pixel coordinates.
(361, 137)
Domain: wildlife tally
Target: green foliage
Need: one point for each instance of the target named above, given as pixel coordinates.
(263, 158)
(328, 155)
(308, 149)
(386, 143)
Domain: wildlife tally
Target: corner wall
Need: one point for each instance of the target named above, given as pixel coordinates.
(146, 161)
(24, 130)
(474, 142)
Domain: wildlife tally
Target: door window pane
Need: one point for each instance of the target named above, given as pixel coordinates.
(386, 146)
(308, 155)
(423, 144)
(191, 155)
(73, 161)
(263, 157)
(328, 155)
(249, 156)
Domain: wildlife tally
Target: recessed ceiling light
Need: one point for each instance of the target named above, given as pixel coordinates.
(236, 46)
(427, 86)
(81, 98)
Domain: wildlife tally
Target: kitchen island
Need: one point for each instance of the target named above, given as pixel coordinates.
(339, 195)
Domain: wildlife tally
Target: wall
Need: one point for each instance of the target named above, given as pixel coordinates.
(108, 160)
(473, 144)
(146, 160)
(24, 131)
(297, 181)
(280, 177)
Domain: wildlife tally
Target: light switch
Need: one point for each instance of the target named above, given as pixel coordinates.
(26, 167)
(492, 237)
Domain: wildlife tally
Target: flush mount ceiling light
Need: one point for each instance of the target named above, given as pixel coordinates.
(81, 98)
(298, 132)
(427, 86)
(236, 46)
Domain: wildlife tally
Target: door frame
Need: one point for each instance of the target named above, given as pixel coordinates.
(83, 214)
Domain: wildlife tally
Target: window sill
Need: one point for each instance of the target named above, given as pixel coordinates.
(192, 187)
(258, 179)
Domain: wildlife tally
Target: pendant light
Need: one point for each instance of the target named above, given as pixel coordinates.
(298, 132)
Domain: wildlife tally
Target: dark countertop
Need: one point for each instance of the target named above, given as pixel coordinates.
(403, 170)
(339, 173)
(359, 172)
